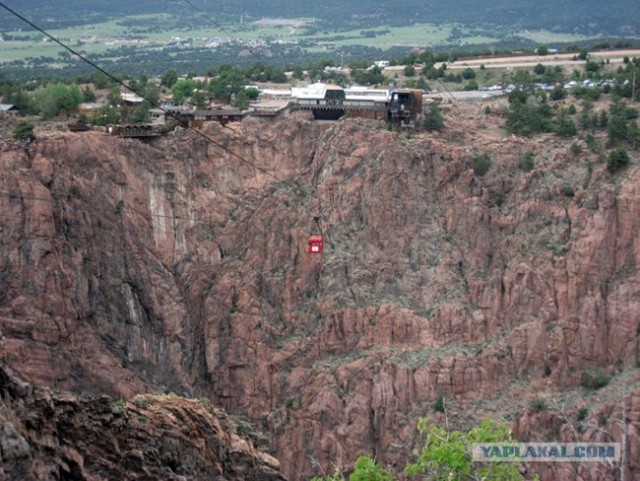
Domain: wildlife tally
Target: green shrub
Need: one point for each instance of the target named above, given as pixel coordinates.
(481, 165)
(433, 119)
(576, 149)
(618, 159)
(527, 163)
(439, 404)
(24, 131)
(471, 86)
(366, 469)
(558, 93)
(538, 405)
(567, 190)
(498, 198)
(74, 191)
(566, 127)
(141, 401)
(595, 381)
(468, 73)
(592, 144)
(446, 454)
(581, 415)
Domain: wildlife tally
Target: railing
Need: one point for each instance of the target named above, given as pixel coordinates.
(346, 104)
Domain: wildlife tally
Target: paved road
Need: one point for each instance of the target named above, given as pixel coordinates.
(472, 95)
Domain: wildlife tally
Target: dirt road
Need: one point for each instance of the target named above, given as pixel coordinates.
(614, 56)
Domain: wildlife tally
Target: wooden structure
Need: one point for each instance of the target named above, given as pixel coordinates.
(197, 118)
(133, 131)
(221, 116)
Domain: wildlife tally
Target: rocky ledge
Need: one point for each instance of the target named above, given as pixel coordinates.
(48, 435)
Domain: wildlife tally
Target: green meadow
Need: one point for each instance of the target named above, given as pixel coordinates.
(160, 28)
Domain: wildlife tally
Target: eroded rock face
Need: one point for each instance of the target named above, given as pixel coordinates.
(47, 435)
(129, 268)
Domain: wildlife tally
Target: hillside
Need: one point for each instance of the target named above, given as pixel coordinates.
(587, 17)
(128, 268)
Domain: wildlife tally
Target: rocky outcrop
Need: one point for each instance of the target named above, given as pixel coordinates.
(49, 435)
(130, 267)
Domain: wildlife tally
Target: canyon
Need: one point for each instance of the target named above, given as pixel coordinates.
(180, 266)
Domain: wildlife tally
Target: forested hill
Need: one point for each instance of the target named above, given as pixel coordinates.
(592, 17)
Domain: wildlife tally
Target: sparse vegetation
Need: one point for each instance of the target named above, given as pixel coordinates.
(335, 476)
(433, 119)
(575, 149)
(119, 209)
(243, 428)
(595, 381)
(581, 415)
(528, 162)
(592, 144)
(439, 404)
(74, 192)
(24, 131)
(566, 127)
(481, 165)
(498, 198)
(141, 401)
(567, 190)
(538, 405)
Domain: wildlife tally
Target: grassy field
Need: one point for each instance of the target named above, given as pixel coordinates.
(544, 36)
(159, 29)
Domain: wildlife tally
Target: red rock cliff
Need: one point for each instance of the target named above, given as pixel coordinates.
(129, 267)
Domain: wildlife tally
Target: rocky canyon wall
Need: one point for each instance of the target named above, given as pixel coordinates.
(175, 266)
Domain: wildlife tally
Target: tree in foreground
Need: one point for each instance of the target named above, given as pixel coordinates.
(446, 455)
(366, 469)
